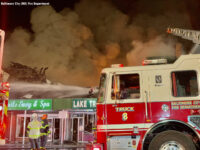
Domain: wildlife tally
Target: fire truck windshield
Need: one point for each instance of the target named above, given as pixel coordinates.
(102, 87)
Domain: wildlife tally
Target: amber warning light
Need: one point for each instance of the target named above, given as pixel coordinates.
(169, 30)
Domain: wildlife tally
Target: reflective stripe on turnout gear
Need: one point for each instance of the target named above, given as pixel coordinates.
(34, 129)
(45, 127)
(34, 136)
(41, 134)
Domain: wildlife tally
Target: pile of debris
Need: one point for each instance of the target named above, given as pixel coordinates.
(19, 72)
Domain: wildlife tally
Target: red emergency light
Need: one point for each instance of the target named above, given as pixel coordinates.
(117, 65)
(94, 147)
(169, 30)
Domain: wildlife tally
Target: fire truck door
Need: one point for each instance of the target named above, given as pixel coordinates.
(125, 109)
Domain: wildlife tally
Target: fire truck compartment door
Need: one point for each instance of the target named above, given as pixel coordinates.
(157, 85)
(123, 143)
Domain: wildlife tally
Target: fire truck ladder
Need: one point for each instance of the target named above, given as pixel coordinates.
(192, 35)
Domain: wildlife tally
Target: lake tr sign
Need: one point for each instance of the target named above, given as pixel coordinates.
(151, 107)
(84, 103)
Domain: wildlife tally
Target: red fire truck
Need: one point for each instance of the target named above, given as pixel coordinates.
(4, 94)
(151, 107)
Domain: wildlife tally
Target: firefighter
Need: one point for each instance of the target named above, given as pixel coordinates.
(44, 131)
(33, 131)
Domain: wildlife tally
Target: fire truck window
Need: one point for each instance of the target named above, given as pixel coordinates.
(184, 84)
(129, 87)
(102, 88)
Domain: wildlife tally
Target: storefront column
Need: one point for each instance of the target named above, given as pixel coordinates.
(11, 122)
(24, 127)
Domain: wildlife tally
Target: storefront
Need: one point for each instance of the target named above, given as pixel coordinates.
(77, 120)
(19, 113)
(71, 120)
(83, 119)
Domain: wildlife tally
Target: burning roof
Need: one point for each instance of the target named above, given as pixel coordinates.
(23, 73)
(27, 82)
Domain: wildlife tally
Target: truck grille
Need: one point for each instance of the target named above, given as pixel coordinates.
(195, 121)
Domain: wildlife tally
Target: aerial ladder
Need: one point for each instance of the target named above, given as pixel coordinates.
(4, 94)
(192, 35)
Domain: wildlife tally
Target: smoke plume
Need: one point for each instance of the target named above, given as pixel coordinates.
(155, 47)
(76, 44)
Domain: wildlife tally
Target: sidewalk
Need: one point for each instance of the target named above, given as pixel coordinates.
(52, 146)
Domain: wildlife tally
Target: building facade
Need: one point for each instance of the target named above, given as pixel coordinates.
(70, 119)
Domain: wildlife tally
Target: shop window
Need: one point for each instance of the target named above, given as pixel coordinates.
(56, 128)
(89, 122)
(20, 126)
(89, 125)
(126, 86)
(184, 84)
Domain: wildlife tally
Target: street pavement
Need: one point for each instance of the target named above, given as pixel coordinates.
(48, 147)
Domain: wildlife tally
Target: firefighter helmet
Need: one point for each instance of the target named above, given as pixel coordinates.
(34, 115)
(44, 116)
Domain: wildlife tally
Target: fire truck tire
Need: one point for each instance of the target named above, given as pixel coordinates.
(172, 140)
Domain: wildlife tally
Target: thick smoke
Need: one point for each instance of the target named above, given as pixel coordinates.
(155, 47)
(60, 42)
(77, 44)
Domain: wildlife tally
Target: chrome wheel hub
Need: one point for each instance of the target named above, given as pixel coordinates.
(171, 145)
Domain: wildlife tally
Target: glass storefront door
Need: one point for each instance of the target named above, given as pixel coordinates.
(77, 129)
(81, 126)
(20, 125)
(56, 129)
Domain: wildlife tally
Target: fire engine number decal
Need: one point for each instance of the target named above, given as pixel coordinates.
(121, 109)
(124, 116)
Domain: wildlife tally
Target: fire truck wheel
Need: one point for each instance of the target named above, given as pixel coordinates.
(172, 140)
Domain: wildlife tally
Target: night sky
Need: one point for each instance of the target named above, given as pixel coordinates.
(77, 38)
(20, 15)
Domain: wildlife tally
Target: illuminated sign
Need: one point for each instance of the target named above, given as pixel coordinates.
(30, 104)
(84, 103)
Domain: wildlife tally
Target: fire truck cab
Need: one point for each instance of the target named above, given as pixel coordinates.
(150, 107)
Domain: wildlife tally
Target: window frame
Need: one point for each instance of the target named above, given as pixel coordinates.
(127, 99)
(172, 84)
(105, 88)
